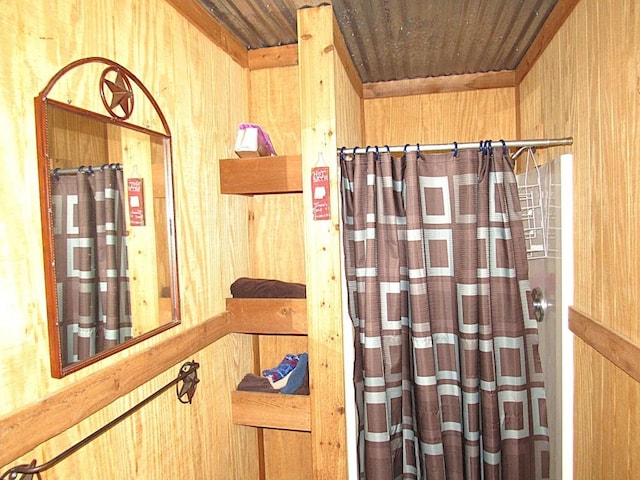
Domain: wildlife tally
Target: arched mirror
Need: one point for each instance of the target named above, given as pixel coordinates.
(107, 205)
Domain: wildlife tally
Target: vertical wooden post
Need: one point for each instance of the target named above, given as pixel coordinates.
(317, 57)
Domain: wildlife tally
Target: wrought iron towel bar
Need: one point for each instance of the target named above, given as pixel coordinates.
(185, 383)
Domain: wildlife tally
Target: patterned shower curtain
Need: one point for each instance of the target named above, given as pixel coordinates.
(449, 383)
(94, 309)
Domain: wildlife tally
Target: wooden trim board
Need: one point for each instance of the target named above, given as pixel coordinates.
(199, 17)
(617, 349)
(41, 421)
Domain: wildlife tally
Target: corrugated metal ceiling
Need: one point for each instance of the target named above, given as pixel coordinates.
(400, 39)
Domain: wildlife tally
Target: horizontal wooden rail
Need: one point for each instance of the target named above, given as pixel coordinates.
(188, 374)
(42, 421)
(616, 348)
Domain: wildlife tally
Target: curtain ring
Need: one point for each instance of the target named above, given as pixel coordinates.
(405, 148)
(455, 149)
(56, 173)
(490, 148)
(388, 149)
(377, 153)
(342, 154)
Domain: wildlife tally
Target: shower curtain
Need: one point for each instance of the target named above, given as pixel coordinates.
(448, 378)
(94, 309)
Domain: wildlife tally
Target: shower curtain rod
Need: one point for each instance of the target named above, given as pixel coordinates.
(549, 142)
(84, 169)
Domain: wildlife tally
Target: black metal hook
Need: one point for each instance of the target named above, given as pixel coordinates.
(189, 377)
(455, 149)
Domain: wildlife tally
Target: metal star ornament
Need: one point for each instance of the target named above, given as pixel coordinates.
(121, 94)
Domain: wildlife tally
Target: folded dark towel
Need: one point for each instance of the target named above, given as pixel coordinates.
(256, 383)
(265, 288)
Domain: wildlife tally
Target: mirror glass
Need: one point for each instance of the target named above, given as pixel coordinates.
(108, 222)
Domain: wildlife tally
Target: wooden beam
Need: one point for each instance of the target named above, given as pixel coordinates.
(614, 347)
(42, 421)
(318, 122)
(552, 24)
(271, 57)
(200, 18)
(449, 83)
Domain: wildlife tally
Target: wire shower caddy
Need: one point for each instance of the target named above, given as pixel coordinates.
(534, 207)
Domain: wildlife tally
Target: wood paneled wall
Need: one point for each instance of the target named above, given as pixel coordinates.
(204, 95)
(441, 117)
(585, 85)
(277, 250)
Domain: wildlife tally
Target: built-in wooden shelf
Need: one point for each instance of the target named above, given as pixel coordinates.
(259, 175)
(268, 316)
(271, 410)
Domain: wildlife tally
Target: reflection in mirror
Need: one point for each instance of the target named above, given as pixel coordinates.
(106, 193)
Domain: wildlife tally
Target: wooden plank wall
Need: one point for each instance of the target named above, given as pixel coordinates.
(586, 85)
(203, 94)
(467, 116)
(277, 248)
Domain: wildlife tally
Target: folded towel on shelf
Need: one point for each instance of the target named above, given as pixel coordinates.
(256, 383)
(267, 288)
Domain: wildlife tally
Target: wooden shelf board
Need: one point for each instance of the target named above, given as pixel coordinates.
(268, 316)
(271, 410)
(260, 175)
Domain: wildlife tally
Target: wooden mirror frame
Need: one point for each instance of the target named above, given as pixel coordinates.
(124, 99)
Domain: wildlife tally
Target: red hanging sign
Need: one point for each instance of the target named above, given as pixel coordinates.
(320, 192)
(136, 202)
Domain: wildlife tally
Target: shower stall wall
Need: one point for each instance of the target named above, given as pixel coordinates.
(551, 271)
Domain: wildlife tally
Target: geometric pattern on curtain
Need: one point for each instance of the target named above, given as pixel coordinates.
(94, 310)
(448, 378)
